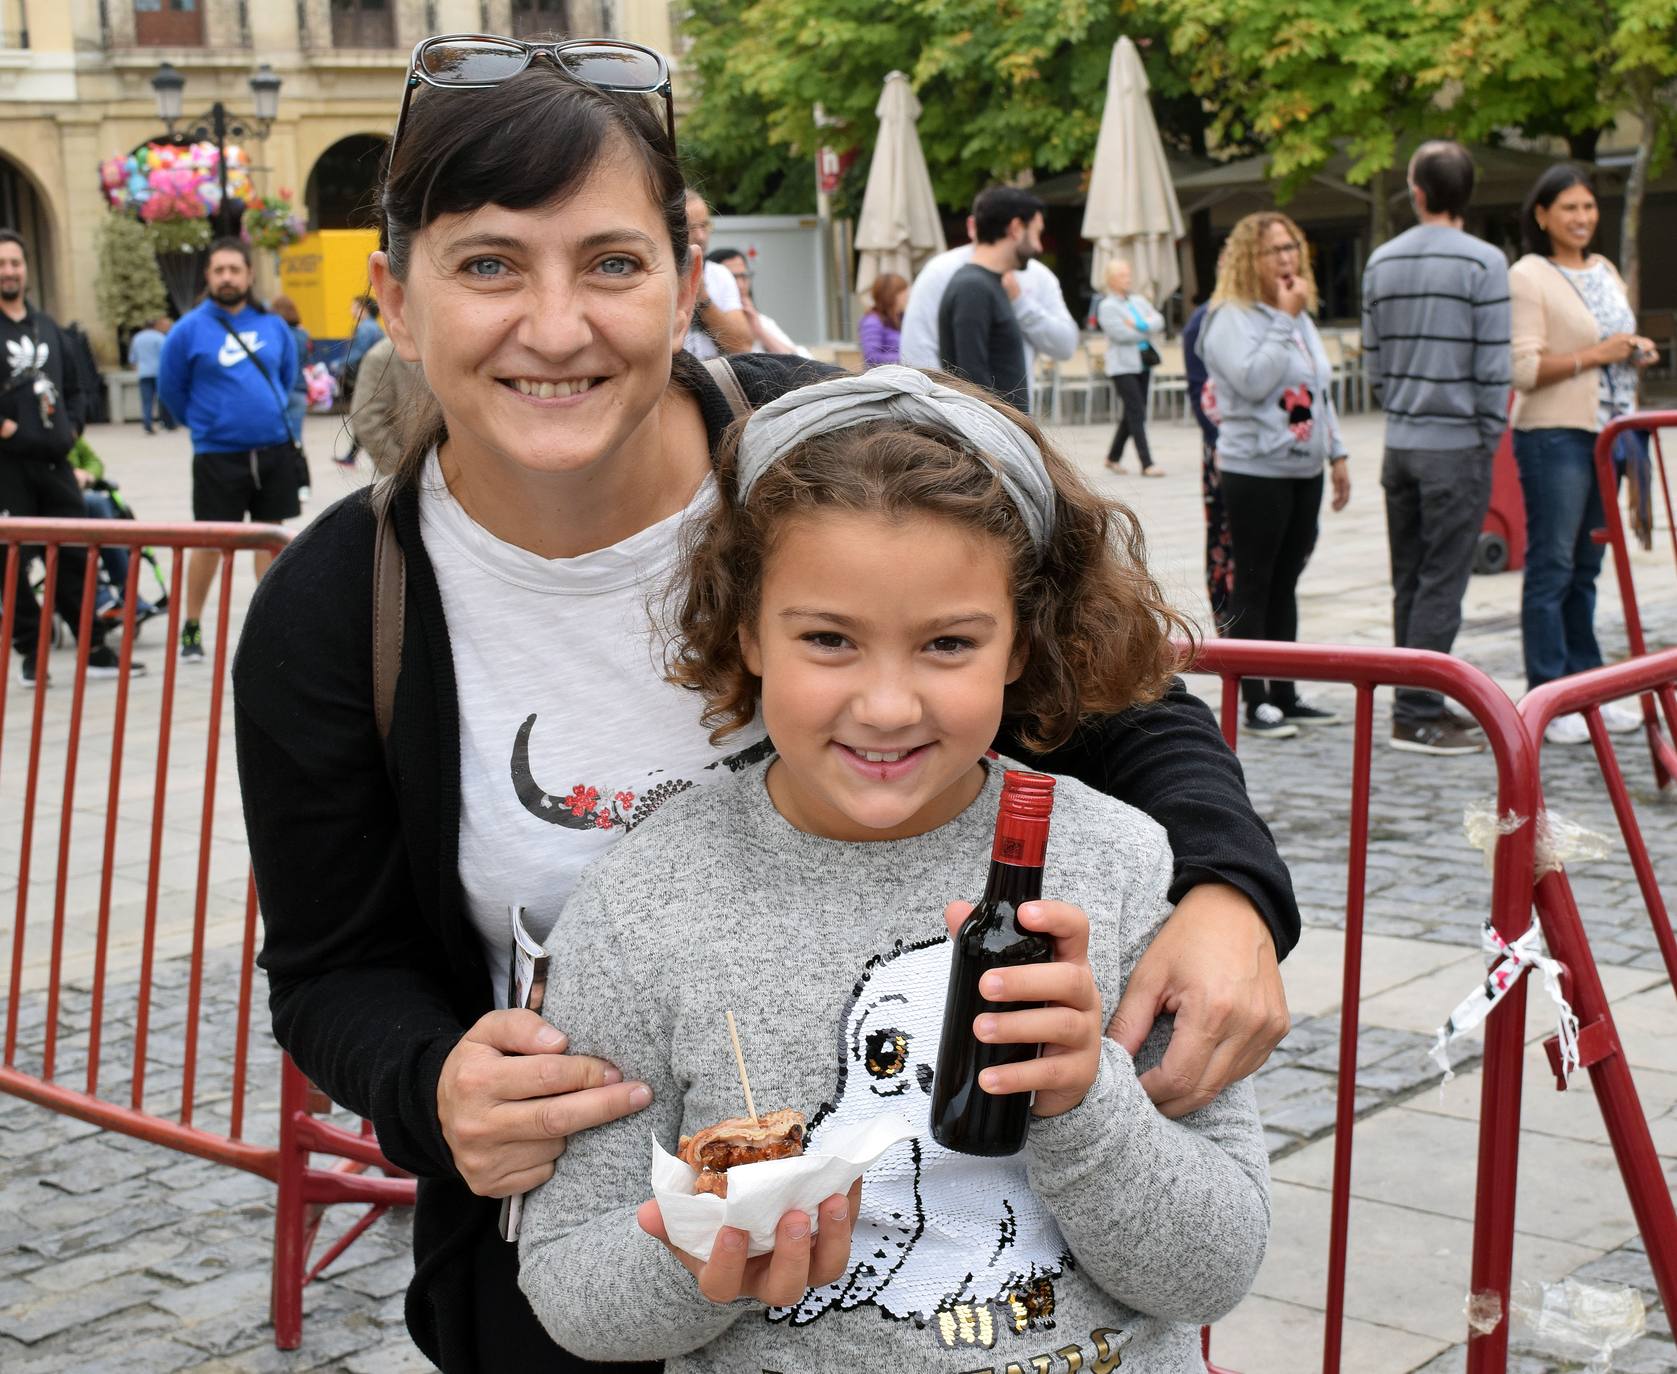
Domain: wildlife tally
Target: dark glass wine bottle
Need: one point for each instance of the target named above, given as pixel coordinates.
(964, 1116)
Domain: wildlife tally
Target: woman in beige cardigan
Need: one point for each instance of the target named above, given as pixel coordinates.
(1576, 357)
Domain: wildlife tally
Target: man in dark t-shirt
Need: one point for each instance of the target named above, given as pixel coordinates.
(978, 334)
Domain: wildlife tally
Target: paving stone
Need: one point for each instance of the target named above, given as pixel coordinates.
(51, 1313)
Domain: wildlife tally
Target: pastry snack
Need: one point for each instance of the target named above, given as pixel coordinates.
(740, 1140)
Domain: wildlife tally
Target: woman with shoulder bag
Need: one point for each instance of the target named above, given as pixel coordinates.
(1576, 359)
(1132, 326)
(537, 272)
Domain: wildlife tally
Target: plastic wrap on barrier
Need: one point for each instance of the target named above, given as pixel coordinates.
(1559, 841)
(1507, 963)
(1577, 1320)
(1484, 1312)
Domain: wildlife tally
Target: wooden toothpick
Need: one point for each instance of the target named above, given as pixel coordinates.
(739, 1058)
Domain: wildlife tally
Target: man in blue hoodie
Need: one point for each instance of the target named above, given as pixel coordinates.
(227, 369)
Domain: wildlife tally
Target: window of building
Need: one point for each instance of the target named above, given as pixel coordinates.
(168, 23)
(363, 24)
(540, 18)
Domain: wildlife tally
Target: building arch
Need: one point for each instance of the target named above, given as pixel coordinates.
(342, 189)
(26, 208)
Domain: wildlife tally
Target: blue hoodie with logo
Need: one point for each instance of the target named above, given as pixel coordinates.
(208, 380)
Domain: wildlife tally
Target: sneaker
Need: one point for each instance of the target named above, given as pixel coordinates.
(1444, 736)
(26, 670)
(1303, 713)
(192, 643)
(103, 662)
(1620, 719)
(1568, 729)
(1267, 722)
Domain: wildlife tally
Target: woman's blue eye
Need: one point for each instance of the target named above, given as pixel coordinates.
(495, 265)
(618, 267)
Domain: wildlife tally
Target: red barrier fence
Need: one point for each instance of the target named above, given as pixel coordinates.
(172, 1115)
(1513, 736)
(1649, 422)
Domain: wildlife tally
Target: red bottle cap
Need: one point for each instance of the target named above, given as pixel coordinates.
(1022, 819)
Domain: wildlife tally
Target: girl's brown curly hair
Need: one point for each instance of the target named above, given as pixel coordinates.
(1095, 627)
(1238, 282)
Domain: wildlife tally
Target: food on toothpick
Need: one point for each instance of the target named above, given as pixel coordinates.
(740, 1140)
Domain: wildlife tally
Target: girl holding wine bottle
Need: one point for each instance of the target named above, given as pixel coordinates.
(893, 565)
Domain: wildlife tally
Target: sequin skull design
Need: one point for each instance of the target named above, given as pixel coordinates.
(953, 1241)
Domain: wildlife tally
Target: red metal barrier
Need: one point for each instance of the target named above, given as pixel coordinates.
(1649, 422)
(136, 1111)
(1512, 745)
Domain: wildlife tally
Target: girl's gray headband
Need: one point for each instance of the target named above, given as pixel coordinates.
(902, 393)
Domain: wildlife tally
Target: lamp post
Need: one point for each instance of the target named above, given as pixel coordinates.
(219, 123)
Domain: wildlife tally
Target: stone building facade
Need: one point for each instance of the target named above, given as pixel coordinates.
(75, 88)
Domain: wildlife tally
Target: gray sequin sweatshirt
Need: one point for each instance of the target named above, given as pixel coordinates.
(1116, 1232)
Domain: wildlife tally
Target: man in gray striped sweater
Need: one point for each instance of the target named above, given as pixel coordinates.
(1436, 343)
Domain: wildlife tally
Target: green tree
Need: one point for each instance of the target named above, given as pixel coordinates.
(1307, 78)
(1006, 87)
(1550, 67)
(128, 288)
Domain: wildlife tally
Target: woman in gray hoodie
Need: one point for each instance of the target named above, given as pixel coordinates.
(1269, 377)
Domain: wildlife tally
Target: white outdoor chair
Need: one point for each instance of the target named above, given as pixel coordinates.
(1167, 388)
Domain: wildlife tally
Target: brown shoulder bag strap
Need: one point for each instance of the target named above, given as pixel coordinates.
(723, 374)
(390, 577)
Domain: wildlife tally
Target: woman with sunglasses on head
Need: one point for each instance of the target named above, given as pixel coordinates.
(536, 267)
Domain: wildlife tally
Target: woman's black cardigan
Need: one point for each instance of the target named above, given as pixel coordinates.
(374, 968)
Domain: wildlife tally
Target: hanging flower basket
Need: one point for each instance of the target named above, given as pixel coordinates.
(272, 223)
(179, 235)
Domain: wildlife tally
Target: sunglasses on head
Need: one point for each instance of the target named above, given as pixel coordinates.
(475, 61)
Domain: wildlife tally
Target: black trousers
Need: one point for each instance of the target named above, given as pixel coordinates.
(34, 487)
(1272, 521)
(1131, 390)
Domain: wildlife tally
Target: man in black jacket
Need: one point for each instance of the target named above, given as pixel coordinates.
(40, 416)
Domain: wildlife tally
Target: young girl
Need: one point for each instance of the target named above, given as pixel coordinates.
(891, 567)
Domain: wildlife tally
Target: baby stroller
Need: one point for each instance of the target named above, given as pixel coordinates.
(103, 500)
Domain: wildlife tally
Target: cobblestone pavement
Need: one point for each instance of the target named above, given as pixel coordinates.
(122, 1255)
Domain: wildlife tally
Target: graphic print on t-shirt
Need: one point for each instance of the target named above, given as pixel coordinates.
(589, 806)
(1297, 401)
(955, 1243)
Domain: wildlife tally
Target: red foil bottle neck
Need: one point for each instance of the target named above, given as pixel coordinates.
(1022, 820)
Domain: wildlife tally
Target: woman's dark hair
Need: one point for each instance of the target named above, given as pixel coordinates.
(1563, 176)
(531, 141)
(1095, 626)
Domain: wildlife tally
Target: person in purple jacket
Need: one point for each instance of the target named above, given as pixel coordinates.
(881, 329)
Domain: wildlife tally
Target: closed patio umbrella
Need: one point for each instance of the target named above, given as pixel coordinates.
(1132, 211)
(899, 228)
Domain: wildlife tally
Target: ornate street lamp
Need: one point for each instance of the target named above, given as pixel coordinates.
(218, 122)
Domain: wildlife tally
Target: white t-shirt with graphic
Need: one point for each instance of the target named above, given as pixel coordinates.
(569, 736)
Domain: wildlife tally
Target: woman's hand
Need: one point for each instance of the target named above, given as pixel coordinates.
(1339, 473)
(1615, 348)
(508, 1096)
(1291, 295)
(1213, 966)
(1068, 1023)
(797, 1263)
(8, 427)
(1647, 352)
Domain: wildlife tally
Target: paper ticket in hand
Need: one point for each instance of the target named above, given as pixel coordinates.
(759, 1195)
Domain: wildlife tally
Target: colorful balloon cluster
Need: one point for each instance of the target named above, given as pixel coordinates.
(163, 181)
